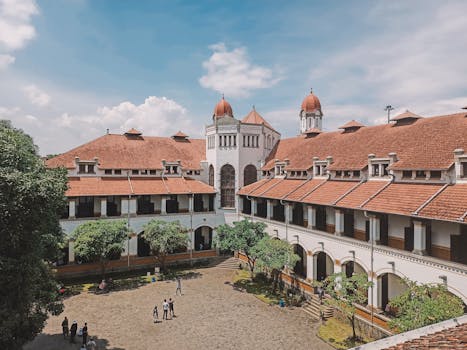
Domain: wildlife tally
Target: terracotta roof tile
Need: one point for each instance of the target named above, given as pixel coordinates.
(406, 115)
(133, 131)
(180, 134)
(304, 189)
(454, 338)
(329, 192)
(266, 187)
(255, 118)
(282, 189)
(427, 144)
(451, 204)
(351, 124)
(121, 152)
(360, 194)
(111, 186)
(246, 190)
(401, 198)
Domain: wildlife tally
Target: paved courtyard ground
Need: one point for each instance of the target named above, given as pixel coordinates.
(211, 314)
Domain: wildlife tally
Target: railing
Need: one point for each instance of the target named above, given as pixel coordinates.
(124, 215)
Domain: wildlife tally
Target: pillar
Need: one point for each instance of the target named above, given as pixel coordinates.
(72, 208)
(315, 266)
(103, 207)
(374, 229)
(339, 228)
(311, 211)
(269, 209)
(71, 251)
(190, 203)
(419, 240)
(254, 209)
(373, 292)
(310, 266)
(240, 205)
(288, 213)
(163, 205)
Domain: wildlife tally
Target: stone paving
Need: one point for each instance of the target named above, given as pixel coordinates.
(211, 314)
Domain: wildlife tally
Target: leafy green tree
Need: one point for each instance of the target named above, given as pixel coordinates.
(272, 255)
(345, 292)
(31, 201)
(424, 304)
(164, 238)
(100, 241)
(242, 237)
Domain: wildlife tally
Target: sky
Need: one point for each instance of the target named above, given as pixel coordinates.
(70, 70)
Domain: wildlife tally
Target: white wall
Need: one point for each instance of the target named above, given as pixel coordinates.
(397, 224)
(441, 232)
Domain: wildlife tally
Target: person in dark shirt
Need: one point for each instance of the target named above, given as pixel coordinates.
(171, 308)
(65, 329)
(85, 333)
(73, 329)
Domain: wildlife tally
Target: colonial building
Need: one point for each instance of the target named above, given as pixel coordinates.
(387, 200)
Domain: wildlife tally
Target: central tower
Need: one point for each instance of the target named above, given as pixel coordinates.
(311, 115)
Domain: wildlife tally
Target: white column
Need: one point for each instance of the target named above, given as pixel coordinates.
(373, 292)
(311, 216)
(71, 251)
(339, 228)
(315, 267)
(104, 207)
(254, 209)
(310, 266)
(288, 213)
(190, 203)
(72, 208)
(269, 209)
(374, 229)
(134, 245)
(419, 241)
(163, 205)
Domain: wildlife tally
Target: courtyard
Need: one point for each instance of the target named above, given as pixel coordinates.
(211, 314)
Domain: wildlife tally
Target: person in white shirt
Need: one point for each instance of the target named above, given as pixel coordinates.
(165, 307)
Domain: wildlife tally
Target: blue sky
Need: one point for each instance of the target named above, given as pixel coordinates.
(71, 69)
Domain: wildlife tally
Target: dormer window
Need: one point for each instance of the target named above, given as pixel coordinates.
(435, 174)
(135, 172)
(108, 171)
(356, 173)
(118, 171)
(82, 169)
(378, 166)
(152, 172)
(407, 174)
(420, 174)
(338, 173)
(464, 169)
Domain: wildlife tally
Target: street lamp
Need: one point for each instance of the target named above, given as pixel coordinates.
(389, 108)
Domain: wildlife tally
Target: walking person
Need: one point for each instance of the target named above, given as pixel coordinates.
(179, 286)
(171, 308)
(65, 329)
(165, 307)
(85, 333)
(155, 314)
(73, 329)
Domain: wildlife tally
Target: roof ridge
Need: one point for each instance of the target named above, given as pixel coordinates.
(349, 191)
(430, 199)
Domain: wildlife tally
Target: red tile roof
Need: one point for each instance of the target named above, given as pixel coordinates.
(329, 192)
(180, 134)
(305, 189)
(254, 118)
(406, 115)
(122, 152)
(133, 131)
(112, 186)
(351, 124)
(312, 131)
(402, 198)
(454, 338)
(451, 204)
(427, 144)
(361, 194)
(283, 188)
(247, 190)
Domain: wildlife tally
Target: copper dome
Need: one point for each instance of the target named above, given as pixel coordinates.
(223, 108)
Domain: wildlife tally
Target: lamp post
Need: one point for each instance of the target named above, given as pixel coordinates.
(389, 108)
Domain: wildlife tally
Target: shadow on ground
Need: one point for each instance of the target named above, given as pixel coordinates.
(56, 342)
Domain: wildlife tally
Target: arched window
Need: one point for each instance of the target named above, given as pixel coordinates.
(249, 175)
(211, 175)
(228, 186)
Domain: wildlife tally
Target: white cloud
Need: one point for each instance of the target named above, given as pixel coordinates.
(36, 96)
(232, 73)
(15, 27)
(5, 61)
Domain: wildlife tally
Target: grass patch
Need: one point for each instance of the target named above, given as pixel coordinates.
(338, 334)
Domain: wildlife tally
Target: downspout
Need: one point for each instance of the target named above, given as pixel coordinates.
(281, 201)
(365, 213)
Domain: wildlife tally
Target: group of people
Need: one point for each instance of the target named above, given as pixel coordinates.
(167, 306)
(83, 332)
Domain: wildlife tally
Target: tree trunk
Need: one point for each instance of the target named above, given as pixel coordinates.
(352, 320)
(251, 264)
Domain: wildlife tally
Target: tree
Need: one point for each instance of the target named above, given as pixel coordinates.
(424, 304)
(31, 202)
(164, 238)
(345, 292)
(242, 237)
(100, 241)
(272, 255)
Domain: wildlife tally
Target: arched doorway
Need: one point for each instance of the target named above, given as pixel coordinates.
(389, 286)
(300, 265)
(352, 267)
(250, 175)
(203, 238)
(143, 247)
(228, 186)
(211, 175)
(324, 266)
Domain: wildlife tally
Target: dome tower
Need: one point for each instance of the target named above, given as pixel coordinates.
(310, 113)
